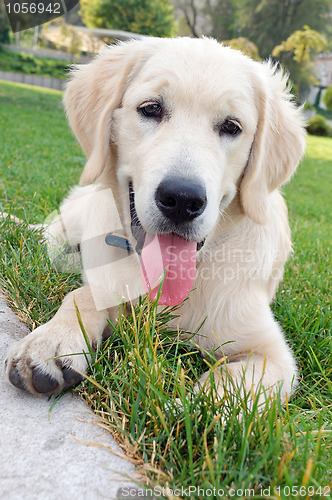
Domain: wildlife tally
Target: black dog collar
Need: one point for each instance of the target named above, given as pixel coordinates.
(119, 241)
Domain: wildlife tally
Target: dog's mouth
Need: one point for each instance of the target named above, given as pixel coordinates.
(167, 256)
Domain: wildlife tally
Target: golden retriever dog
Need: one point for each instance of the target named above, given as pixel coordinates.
(187, 143)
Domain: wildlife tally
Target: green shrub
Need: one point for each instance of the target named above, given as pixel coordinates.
(327, 98)
(30, 65)
(317, 125)
(308, 106)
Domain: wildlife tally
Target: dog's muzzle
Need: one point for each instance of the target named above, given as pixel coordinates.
(180, 205)
(168, 255)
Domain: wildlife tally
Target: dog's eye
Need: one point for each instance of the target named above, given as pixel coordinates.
(151, 110)
(230, 127)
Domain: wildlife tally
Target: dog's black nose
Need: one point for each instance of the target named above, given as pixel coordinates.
(180, 200)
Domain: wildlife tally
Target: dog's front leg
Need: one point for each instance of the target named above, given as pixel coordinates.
(254, 377)
(44, 362)
(259, 363)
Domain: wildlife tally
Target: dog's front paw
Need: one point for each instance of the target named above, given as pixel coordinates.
(45, 362)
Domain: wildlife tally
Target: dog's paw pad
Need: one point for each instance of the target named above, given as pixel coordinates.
(43, 382)
(71, 377)
(16, 380)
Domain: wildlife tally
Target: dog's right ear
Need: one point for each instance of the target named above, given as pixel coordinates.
(93, 93)
(278, 144)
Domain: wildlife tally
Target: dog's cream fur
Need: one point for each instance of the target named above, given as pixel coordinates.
(245, 222)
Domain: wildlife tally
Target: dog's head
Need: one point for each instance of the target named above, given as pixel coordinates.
(178, 128)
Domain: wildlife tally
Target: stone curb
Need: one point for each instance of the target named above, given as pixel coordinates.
(42, 453)
(40, 81)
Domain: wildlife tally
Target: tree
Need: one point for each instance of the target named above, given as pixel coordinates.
(268, 22)
(190, 13)
(246, 46)
(303, 44)
(148, 17)
(223, 17)
(4, 25)
(217, 18)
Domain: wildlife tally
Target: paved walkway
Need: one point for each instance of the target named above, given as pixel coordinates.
(39, 455)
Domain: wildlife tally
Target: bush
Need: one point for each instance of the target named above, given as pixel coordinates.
(308, 106)
(327, 98)
(31, 65)
(317, 125)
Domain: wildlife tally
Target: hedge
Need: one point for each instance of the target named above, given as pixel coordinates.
(317, 125)
(19, 62)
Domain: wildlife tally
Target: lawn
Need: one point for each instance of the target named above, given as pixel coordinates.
(143, 367)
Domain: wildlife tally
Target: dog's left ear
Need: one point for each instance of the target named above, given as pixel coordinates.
(94, 92)
(278, 144)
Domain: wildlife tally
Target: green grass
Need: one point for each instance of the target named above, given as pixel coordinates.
(39, 157)
(143, 367)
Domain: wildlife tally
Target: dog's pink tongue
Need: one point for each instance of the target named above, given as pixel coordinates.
(177, 257)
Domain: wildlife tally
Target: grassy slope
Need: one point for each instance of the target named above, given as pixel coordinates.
(39, 160)
(304, 301)
(39, 157)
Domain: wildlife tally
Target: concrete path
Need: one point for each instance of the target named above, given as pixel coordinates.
(40, 459)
